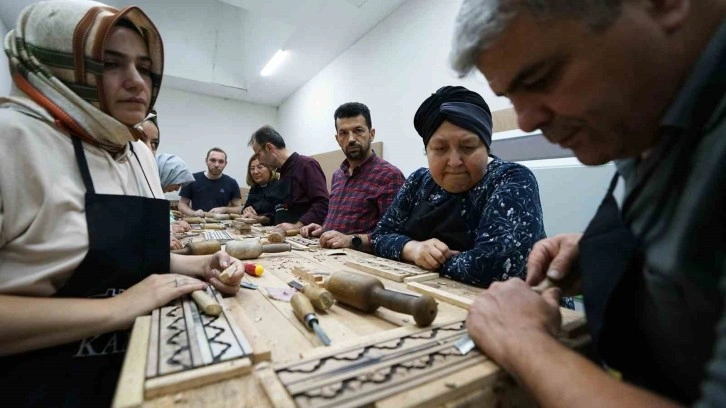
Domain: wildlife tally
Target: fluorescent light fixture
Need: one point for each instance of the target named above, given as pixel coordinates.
(274, 63)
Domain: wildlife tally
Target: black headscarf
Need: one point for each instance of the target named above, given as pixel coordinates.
(458, 105)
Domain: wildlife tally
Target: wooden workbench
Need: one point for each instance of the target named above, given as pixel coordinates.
(272, 328)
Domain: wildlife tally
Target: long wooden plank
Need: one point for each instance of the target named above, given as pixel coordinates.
(152, 357)
(275, 391)
(364, 373)
(439, 294)
(422, 277)
(481, 385)
(284, 341)
(260, 346)
(184, 380)
(396, 275)
(130, 386)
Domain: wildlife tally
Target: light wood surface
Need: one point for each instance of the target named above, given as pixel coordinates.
(278, 339)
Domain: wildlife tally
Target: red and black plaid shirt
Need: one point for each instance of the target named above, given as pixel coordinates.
(359, 200)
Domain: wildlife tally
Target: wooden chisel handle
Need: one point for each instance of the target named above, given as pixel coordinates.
(206, 303)
(319, 297)
(423, 308)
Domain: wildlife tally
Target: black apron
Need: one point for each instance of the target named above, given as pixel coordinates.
(444, 222)
(612, 262)
(128, 239)
(286, 212)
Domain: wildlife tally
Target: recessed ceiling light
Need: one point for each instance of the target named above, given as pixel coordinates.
(274, 63)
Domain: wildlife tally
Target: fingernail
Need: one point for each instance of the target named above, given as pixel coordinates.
(554, 274)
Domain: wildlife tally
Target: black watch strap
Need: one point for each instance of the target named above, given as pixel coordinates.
(356, 242)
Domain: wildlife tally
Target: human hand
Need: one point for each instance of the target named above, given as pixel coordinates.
(180, 226)
(287, 226)
(335, 239)
(151, 293)
(510, 312)
(218, 210)
(553, 258)
(249, 211)
(218, 263)
(200, 213)
(429, 254)
(175, 244)
(311, 230)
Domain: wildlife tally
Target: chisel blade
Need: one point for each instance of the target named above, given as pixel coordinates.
(321, 334)
(464, 344)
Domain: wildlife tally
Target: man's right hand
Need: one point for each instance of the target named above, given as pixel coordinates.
(200, 213)
(311, 230)
(553, 258)
(249, 211)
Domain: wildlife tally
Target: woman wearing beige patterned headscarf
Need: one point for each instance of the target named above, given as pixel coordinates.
(84, 228)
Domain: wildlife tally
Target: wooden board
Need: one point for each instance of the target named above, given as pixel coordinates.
(455, 293)
(361, 374)
(386, 268)
(177, 348)
(504, 119)
(130, 386)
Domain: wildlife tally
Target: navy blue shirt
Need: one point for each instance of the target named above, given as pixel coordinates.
(503, 212)
(206, 194)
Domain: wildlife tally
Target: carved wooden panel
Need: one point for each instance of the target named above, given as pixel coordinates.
(386, 268)
(357, 375)
(183, 340)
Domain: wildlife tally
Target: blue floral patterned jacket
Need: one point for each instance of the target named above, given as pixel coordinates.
(503, 212)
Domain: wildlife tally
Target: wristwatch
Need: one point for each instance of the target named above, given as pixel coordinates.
(356, 242)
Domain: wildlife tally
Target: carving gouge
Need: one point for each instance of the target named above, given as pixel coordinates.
(320, 298)
(305, 313)
(464, 344)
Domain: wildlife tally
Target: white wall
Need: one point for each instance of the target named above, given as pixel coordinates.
(5, 79)
(392, 69)
(191, 124)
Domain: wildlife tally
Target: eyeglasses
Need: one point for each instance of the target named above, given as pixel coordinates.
(258, 167)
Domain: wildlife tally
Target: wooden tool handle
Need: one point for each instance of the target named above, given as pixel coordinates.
(234, 216)
(423, 308)
(302, 307)
(212, 220)
(206, 303)
(226, 275)
(292, 232)
(274, 248)
(184, 251)
(319, 297)
(217, 216)
(213, 226)
(204, 247)
(276, 235)
(194, 220)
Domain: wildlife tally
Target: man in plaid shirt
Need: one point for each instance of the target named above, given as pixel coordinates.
(362, 188)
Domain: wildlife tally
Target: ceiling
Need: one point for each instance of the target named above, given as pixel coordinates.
(219, 47)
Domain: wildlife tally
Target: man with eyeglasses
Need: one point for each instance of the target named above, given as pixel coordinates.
(302, 181)
(362, 188)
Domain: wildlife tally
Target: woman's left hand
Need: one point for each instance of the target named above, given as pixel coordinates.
(217, 264)
(175, 244)
(430, 254)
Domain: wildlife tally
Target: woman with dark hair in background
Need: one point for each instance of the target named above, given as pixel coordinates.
(264, 194)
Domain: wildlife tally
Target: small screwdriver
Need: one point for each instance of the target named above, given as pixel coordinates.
(306, 314)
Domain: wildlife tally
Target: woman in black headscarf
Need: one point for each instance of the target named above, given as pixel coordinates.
(470, 215)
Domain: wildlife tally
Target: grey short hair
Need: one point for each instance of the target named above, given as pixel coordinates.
(479, 22)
